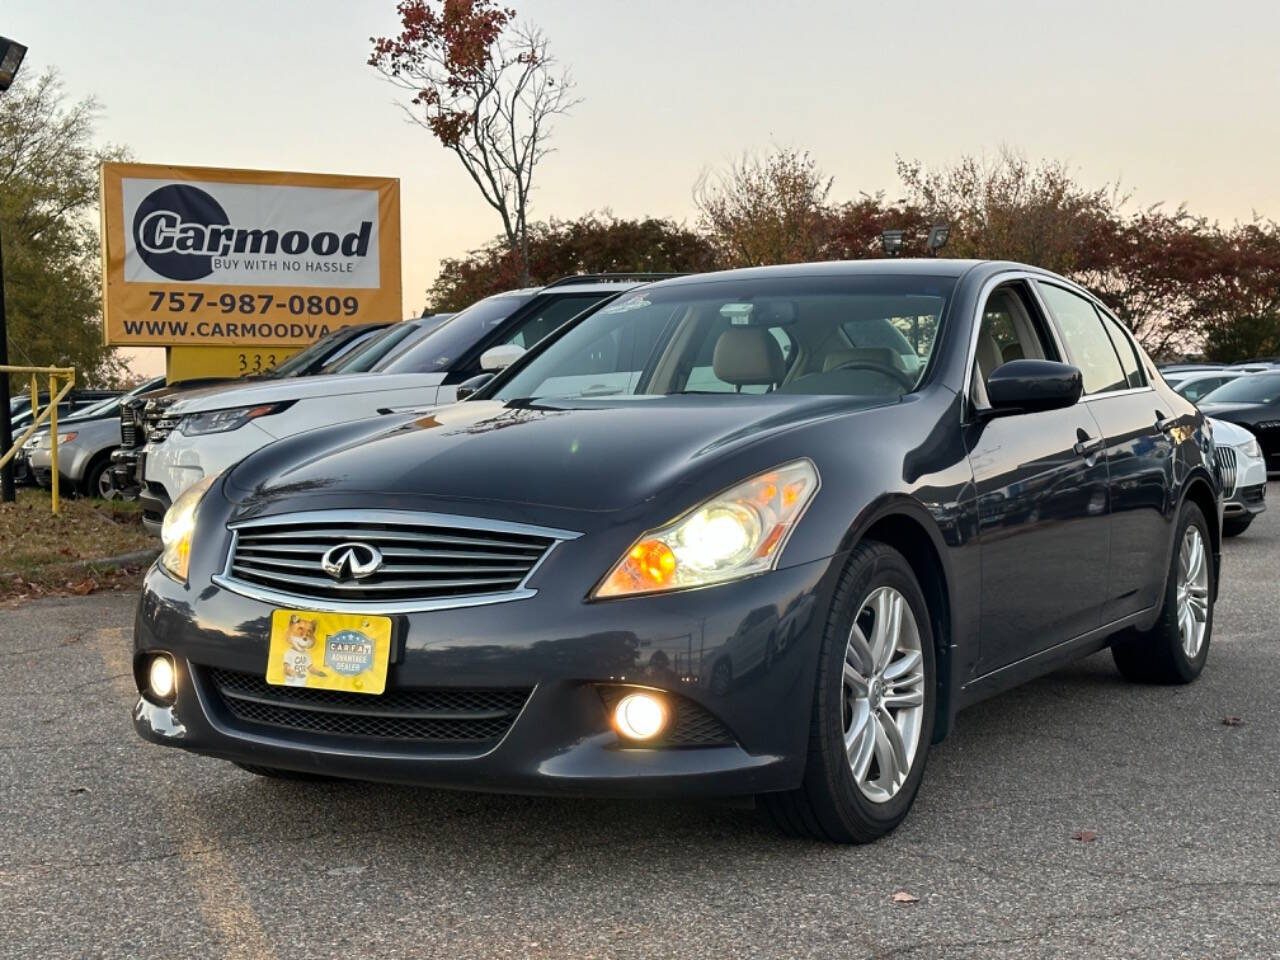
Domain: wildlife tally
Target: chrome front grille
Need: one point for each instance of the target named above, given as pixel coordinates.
(1226, 460)
(427, 560)
(129, 438)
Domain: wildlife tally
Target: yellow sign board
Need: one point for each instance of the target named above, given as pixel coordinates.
(193, 363)
(200, 255)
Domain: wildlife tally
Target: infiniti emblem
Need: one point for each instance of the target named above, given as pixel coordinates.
(351, 561)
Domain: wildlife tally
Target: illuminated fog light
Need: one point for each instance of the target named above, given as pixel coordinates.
(160, 677)
(639, 716)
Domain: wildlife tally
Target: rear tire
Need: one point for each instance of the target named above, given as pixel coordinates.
(1174, 650)
(1235, 526)
(867, 682)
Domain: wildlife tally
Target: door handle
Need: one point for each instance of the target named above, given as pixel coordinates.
(1165, 424)
(1085, 446)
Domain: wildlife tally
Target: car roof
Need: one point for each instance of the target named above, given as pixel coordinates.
(898, 266)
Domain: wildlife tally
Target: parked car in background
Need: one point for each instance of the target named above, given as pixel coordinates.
(387, 344)
(340, 344)
(1244, 475)
(201, 433)
(1168, 370)
(85, 444)
(1195, 386)
(1252, 402)
(680, 470)
(77, 401)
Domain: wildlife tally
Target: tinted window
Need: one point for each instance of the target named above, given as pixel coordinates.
(1126, 351)
(458, 335)
(1250, 388)
(556, 311)
(1087, 340)
(303, 359)
(808, 335)
(1196, 389)
(370, 351)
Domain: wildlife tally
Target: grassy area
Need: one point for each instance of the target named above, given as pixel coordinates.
(42, 554)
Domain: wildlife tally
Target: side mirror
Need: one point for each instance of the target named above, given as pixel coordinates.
(467, 387)
(500, 357)
(1028, 386)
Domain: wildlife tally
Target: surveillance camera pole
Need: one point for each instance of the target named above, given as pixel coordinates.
(7, 493)
(11, 55)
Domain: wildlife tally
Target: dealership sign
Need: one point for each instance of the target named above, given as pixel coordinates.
(195, 255)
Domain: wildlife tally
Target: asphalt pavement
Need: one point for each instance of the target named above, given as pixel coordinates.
(1078, 816)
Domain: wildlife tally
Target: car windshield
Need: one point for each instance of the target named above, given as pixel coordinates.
(94, 410)
(1251, 388)
(371, 351)
(450, 341)
(854, 336)
(303, 359)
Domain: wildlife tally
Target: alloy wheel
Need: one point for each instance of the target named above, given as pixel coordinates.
(883, 700)
(106, 487)
(1193, 592)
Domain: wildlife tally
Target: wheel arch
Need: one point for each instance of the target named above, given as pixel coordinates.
(101, 457)
(917, 539)
(1199, 490)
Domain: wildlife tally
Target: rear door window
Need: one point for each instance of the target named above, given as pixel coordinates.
(1087, 340)
(1126, 351)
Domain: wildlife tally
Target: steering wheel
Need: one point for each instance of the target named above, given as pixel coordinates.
(893, 372)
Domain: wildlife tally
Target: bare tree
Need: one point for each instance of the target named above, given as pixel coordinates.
(486, 88)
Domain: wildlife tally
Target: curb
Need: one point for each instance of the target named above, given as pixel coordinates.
(106, 563)
(123, 559)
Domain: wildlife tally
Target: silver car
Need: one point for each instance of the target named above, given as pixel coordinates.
(85, 444)
(84, 456)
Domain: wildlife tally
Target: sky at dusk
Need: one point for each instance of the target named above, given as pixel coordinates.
(1176, 101)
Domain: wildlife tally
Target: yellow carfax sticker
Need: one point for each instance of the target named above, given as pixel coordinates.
(329, 651)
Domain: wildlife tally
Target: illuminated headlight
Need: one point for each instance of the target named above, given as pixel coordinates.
(178, 528)
(735, 534)
(222, 421)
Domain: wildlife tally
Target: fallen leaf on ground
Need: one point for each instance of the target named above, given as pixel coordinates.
(903, 897)
(1085, 836)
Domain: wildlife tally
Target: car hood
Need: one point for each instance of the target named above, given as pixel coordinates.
(572, 455)
(1227, 409)
(88, 432)
(296, 388)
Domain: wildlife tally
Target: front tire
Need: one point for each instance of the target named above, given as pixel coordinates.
(1174, 650)
(873, 707)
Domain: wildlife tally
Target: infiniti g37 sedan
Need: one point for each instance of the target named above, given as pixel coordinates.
(757, 533)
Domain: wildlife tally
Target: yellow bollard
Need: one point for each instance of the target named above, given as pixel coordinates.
(53, 436)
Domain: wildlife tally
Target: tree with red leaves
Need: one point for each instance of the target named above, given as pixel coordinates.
(486, 88)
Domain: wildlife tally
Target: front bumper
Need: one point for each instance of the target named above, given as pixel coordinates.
(72, 461)
(1249, 495)
(713, 650)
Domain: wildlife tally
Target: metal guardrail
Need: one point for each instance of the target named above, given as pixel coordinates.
(50, 413)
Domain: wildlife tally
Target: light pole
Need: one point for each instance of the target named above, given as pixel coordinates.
(11, 54)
